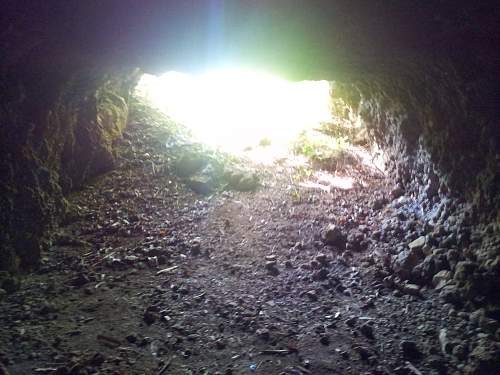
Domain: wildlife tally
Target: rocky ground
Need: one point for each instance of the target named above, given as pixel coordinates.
(147, 276)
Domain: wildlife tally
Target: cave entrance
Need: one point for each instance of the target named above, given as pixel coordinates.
(267, 119)
(240, 111)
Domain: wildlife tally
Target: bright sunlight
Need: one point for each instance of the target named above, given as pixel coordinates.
(238, 110)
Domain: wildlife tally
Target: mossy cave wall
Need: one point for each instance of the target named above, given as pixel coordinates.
(58, 125)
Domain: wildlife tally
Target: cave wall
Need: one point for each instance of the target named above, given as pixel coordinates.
(437, 128)
(58, 122)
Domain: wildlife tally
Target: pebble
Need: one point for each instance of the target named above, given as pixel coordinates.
(220, 344)
(272, 268)
(367, 330)
(263, 333)
(321, 259)
(332, 235)
(312, 295)
(410, 349)
(444, 342)
(149, 317)
(324, 339)
(364, 353)
(320, 275)
(417, 244)
(410, 289)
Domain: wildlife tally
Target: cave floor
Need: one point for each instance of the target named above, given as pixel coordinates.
(151, 278)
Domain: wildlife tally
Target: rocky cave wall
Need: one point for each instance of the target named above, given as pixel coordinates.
(58, 122)
(438, 130)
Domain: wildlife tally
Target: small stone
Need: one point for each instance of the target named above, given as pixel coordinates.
(149, 317)
(459, 351)
(201, 184)
(378, 203)
(367, 330)
(47, 308)
(220, 344)
(464, 270)
(97, 359)
(312, 295)
(451, 294)
(132, 338)
(272, 268)
(320, 275)
(402, 370)
(332, 235)
(80, 280)
(321, 259)
(152, 262)
(396, 192)
(418, 243)
(324, 339)
(131, 258)
(314, 265)
(440, 279)
(351, 322)
(410, 289)
(364, 353)
(410, 349)
(195, 246)
(437, 363)
(446, 346)
(3, 293)
(406, 260)
(263, 333)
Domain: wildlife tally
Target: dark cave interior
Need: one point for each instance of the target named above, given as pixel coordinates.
(423, 79)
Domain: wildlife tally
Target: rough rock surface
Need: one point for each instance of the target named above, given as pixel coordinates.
(58, 128)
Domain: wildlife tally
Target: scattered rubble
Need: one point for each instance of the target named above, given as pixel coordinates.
(152, 276)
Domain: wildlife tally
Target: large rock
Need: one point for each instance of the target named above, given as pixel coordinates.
(441, 278)
(406, 261)
(431, 265)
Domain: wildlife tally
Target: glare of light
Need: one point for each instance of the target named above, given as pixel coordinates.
(235, 108)
(326, 181)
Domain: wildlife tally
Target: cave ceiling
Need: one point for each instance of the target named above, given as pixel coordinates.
(298, 39)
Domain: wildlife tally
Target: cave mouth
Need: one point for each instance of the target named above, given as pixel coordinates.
(240, 111)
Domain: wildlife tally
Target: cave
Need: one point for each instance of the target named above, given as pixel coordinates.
(129, 244)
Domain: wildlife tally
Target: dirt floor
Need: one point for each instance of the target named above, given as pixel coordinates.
(148, 277)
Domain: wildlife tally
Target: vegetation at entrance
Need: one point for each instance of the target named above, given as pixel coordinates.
(329, 145)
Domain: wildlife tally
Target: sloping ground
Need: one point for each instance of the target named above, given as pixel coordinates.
(150, 278)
